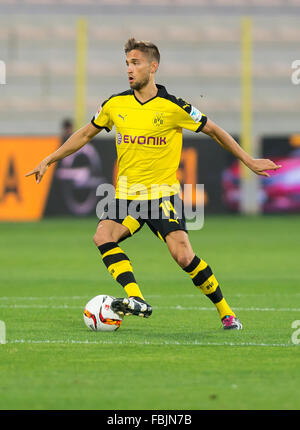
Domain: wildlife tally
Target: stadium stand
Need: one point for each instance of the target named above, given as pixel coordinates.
(199, 54)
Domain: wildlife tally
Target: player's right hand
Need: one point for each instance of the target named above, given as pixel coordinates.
(260, 165)
(39, 171)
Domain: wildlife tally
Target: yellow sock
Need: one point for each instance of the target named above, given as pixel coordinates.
(204, 279)
(120, 267)
(224, 309)
(133, 289)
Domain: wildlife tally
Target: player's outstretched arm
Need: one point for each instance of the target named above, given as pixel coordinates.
(73, 144)
(257, 165)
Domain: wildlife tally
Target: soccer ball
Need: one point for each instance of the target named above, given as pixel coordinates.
(98, 315)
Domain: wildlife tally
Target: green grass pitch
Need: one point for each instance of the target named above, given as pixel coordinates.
(180, 358)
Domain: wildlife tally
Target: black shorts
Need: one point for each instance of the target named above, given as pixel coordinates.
(162, 215)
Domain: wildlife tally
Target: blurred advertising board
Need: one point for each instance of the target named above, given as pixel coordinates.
(280, 193)
(69, 187)
(20, 198)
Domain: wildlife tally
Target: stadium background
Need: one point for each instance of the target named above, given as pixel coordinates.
(232, 59)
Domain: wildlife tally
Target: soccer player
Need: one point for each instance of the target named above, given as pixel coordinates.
(149, 123)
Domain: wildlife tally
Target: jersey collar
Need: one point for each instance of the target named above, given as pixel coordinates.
(161, 92)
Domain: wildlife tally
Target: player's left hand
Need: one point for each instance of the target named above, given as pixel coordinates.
(39, 171)
(260, 165)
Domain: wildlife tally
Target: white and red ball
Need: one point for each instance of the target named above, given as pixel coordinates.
(98, 315)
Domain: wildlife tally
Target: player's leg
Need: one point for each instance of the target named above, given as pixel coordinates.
(169, 225)
(108, 234)
(106, 238)
(201, 274)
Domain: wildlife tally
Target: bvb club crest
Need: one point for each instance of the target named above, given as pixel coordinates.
(158, 119)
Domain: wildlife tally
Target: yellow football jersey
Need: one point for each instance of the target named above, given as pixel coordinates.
(148, 140)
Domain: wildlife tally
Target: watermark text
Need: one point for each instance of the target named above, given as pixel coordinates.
(160, 202)
(2, 73)
(296, 333)
(296, 73)
(2, 332)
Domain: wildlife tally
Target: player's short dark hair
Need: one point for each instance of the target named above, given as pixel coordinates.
(149, 48)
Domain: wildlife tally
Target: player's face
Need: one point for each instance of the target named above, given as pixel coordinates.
(139, 69)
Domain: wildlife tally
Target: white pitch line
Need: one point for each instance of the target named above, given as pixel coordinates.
(150, 296)
(15, 306)
(166, 343)
(5, 298)
(198, 308)
(45, 298)
(173, 308)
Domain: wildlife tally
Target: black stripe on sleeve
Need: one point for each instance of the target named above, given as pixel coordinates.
(98, 126)
(203, 122)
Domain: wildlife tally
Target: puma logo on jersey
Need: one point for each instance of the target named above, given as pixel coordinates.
(174, 220)
(123, 117)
